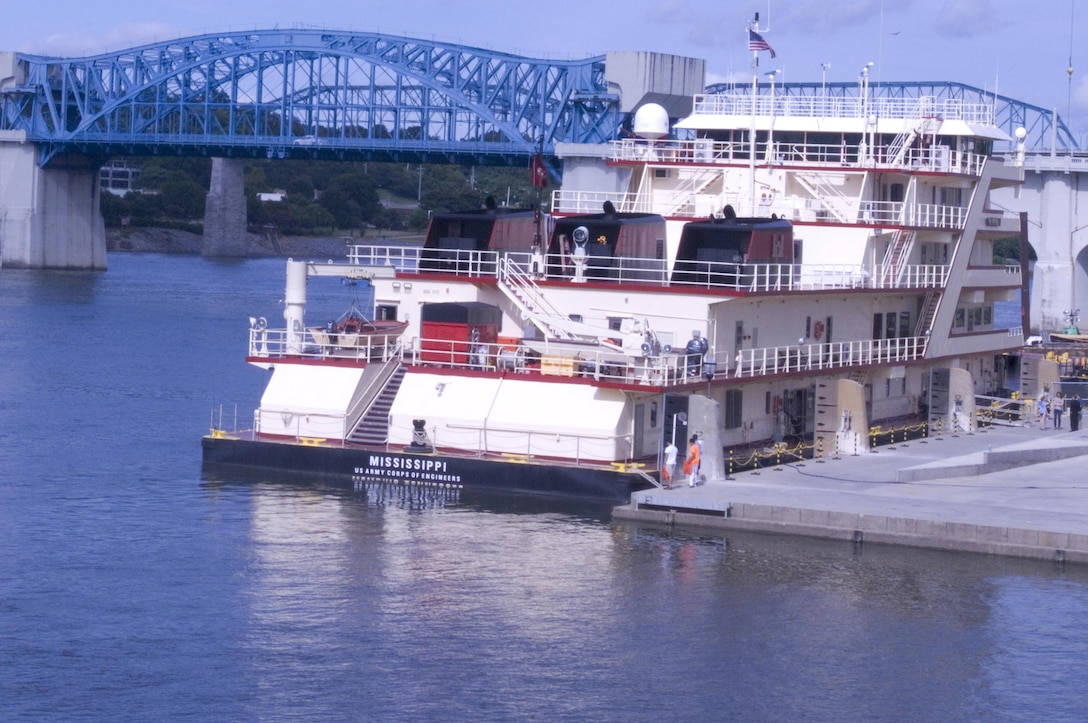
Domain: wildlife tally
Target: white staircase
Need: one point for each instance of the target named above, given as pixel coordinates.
(895, 258)
(842, 207)
(520, 288)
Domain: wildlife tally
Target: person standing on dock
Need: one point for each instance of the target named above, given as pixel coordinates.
(1042, 411)
(1058, 405)
(692, 462)
(670, 464)
(1074, 413)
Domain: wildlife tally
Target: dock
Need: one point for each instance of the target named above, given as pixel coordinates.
(1013, 491)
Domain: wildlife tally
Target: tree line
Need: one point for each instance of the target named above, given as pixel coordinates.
(321, 197)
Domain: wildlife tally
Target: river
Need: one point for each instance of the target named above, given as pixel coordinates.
(135, 586)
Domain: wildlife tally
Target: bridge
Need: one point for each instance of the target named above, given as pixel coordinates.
(298, 93)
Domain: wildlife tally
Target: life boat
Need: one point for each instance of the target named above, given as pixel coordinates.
(354, 331)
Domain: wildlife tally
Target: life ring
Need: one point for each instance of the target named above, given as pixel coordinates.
(818, 330)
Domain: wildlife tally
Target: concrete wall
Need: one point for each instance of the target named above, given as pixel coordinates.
(49, 218)
(225, 210)
(1058, 234)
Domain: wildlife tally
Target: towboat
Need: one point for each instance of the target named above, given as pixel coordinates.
(766, 270)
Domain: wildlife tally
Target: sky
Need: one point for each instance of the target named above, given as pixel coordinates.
(1023, 50)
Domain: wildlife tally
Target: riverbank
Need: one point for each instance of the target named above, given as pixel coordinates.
(175, 241)
(1013, 491)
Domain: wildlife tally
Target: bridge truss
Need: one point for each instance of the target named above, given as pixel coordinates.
(309, 93)
(358, 96)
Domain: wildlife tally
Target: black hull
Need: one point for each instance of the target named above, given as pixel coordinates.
(363, 466)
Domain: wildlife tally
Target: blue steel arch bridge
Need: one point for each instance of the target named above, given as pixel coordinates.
(299, 93)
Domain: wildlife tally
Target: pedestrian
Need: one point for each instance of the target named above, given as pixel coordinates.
(1058, 405)
(691, 465)
(1074, 413)
(1042, 411)
(670, 464)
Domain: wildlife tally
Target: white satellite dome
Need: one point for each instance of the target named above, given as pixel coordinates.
(651, 121)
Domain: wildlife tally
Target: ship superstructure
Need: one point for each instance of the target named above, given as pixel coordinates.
(766, 269)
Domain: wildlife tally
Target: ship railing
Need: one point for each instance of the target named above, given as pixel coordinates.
(897, 213)
(911, 276)
(279, 343)
(800, 358)
(936, 158)
(525, 443)
(713, 275)
(652, 367)
(400, 257)
(921, 215)
(823, 106)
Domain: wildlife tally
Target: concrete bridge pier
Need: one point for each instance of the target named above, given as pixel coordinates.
(225, 210)
(49, 217)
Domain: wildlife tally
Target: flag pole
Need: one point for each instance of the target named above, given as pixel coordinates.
(753, 27)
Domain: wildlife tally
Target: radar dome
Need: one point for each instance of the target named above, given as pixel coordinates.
(651, 121)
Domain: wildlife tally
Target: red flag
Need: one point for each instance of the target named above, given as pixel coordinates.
(540, 173)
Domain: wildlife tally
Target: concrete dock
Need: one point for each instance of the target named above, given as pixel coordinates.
(1016, 491)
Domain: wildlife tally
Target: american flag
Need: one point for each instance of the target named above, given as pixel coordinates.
(756, 43)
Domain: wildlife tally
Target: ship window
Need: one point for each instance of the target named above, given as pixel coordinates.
(575, 317)
(661, 173)
(904, 324)
(889, 325)
(961, 318)
(615, 322)
(878, 325)
(733, 416)
(653, 414)
(385, 312)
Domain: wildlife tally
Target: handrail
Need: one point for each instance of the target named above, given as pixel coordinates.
(831, 355)
(754, 277)
(845, 156)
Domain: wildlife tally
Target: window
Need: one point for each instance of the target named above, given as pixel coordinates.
(385, 312)
(904, 324)
(733, 416)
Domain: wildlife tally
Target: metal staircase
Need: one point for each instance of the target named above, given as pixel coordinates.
(927, 314)
(895, 259)
(838, 204)
(373, 426)
(520, 288)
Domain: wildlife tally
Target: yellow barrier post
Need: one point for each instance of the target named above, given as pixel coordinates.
(819, 450)
(729, 476)
(778, 456)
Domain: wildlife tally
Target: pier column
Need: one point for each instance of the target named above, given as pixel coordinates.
(49, 217)
(225, 210)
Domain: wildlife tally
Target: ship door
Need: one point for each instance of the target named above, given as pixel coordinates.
(798, 409)
(675, 420)
(640, 422)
